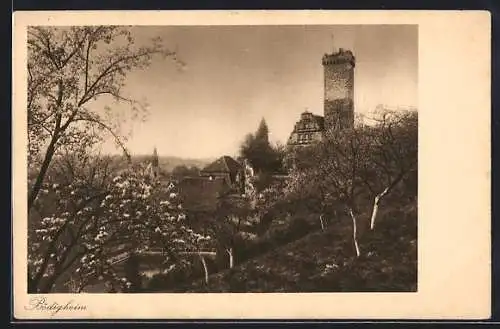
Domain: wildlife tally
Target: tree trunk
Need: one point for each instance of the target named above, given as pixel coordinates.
(375, 207)
(380, 196)
(49, 154)
(43, 171)
(321, 222)
(354, 232)
(231, 258)
(205, 268)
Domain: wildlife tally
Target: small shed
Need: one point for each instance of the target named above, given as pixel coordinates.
(226, 168)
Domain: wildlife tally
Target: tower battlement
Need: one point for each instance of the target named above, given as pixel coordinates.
(342, 56)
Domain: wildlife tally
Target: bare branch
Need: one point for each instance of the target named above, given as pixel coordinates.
(106, 127)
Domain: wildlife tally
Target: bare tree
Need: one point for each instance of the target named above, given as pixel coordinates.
(69, 69)
(330, 174)
(232, 215)
(393, 147)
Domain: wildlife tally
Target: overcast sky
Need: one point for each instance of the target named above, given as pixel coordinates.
(236, 75)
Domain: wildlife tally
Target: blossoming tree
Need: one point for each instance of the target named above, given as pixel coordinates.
(73, 72)
(97, 220)
(81, 216)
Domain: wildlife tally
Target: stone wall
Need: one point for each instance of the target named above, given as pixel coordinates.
(339, 114)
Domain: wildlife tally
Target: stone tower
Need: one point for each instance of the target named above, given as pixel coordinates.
(155, 166)
(338, 89)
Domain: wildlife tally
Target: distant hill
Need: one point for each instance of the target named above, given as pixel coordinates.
(167, 163)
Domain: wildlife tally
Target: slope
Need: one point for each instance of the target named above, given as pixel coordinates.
(325, 261)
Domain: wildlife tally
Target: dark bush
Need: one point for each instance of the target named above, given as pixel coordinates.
(132, 273)
(277, 235)
(263, 180)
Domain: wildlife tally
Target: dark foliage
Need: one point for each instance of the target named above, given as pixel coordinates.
(131, 269)
(263, 157)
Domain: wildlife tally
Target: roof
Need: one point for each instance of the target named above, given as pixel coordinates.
(308, 117)
(223, 164)
(200, 193)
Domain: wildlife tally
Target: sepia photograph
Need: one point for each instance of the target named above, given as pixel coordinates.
(250, 164)
(222, 158)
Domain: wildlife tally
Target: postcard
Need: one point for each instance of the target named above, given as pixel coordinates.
(251, 165)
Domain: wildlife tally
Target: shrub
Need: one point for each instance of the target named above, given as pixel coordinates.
(132, 274)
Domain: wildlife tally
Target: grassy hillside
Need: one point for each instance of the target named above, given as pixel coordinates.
(324, 261)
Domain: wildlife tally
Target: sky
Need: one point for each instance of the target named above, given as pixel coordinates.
(236, 75)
